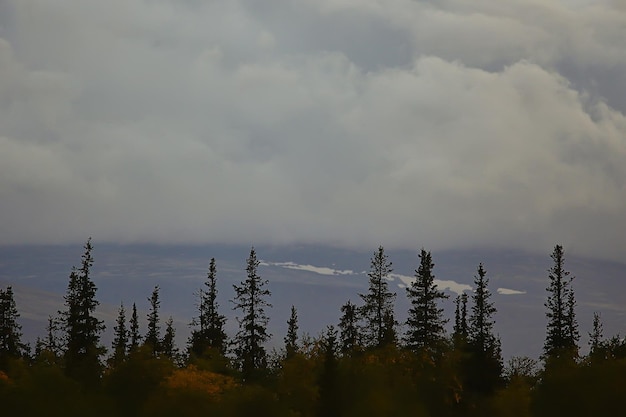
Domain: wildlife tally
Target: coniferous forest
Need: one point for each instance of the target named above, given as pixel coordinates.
(367, 364)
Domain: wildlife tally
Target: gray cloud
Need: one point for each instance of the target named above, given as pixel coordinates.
(443, 124)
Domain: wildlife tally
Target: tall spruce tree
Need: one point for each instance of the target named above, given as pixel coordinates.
(11, 345)
(349, 331)
(251, 299)
(153, 336)
(291, 338)
(81, 328)
(562, 330)
(329, 397)
(133, 334)
(168, 344)
(460, 330)
(52, 343)
(377, 310)
(425, 323)
(596, 336)
(209, 332)
(485, 360)
(481, 320)
(120, 338)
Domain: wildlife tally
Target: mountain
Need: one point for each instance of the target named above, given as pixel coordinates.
(316, 279)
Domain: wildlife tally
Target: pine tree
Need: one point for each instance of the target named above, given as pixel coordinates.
(481, 319)
(82, 329)
(134, 336)
(210, 334)
(120, 338)
(350, 335)
(153, 336)
(329, 398)
(291, 338)
(389, 336)
(562, 330)
(250, 298)
(570, 318)
(425, 322)
(52, 343)
(377, 310)
(11, 345)
(596, 335)
(168, 344)
(485, 361)
(460, 330)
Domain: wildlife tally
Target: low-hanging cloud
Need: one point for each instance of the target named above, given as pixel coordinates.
(437, 124)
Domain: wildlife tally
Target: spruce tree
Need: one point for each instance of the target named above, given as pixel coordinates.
(133, 335)
(350, 335)
(329, 397)
(168, 344)
(481, 320)
(425, 323)
(82, 329)
(251, 299)
(460, 330)
(291, 338)
(52, 343)
(562, 330)
(596, 336)
(120, 338)
(153, 336)
(485, 361)
(11, 345)
(377, 310)
(209, 332)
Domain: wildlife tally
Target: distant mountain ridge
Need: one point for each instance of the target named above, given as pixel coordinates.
(316, 279)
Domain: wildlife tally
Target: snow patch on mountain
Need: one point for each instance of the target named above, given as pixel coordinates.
(322, 270)
(508, 291)
(443, 284)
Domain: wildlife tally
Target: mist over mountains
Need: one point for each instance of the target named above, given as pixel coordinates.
(317, 280)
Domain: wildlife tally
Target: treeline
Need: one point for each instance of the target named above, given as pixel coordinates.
(362, 366)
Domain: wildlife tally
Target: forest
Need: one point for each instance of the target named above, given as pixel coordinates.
(361, 366)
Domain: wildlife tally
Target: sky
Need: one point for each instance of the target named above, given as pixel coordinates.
(443, 123)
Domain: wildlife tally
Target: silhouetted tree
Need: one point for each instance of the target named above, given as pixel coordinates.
(377, 310)
(133, 335)
(251, 299)
(350, 336)
(329, 398)
(460, 330)
(209, 333)
(562, 330)
(595, 336)
(11, 345)
(291, 338)
(168, 344)
(481, 319)
(389, 336)
(52, 342)
(120, 338)
(485, 361)
(425, 322)
(153, 336)
(81, 328)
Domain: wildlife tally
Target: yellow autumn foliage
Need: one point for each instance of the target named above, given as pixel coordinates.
(192, 379)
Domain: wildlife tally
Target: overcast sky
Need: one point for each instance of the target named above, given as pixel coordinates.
(443, 123)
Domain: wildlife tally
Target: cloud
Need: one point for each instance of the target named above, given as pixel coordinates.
(442, 124)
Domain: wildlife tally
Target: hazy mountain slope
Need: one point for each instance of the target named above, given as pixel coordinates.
(317, 280)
